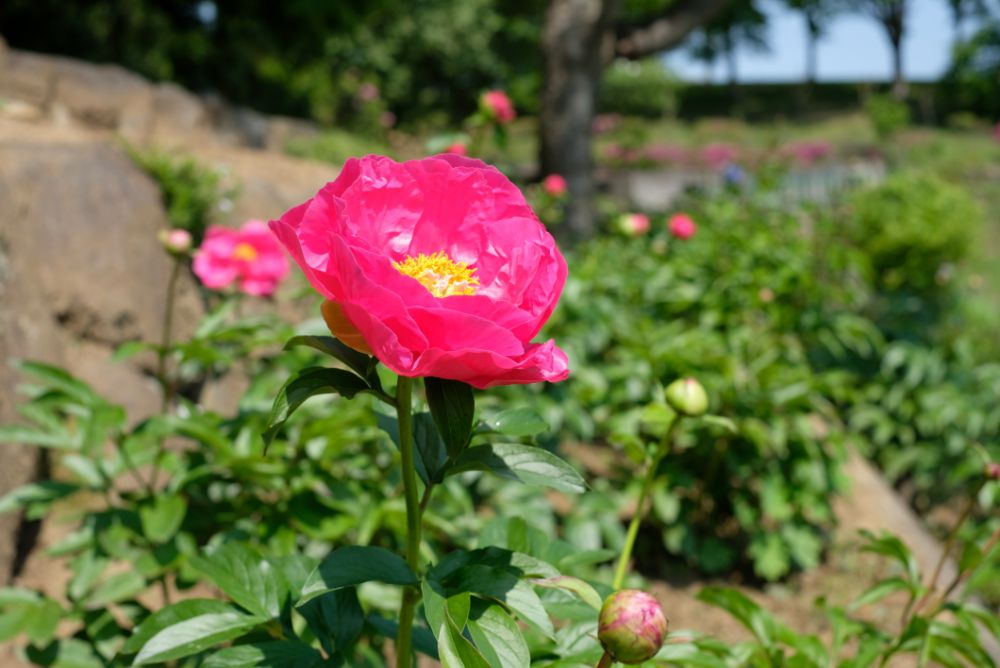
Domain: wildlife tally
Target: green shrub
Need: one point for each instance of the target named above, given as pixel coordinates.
(645, 88)
(910, 227)
(333, 146)
(887, 115)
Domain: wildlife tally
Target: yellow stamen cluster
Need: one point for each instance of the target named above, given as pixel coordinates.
(442, 276)
(244, 251)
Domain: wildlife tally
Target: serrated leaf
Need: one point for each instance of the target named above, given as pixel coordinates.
(523, 463)
(353, 565)
(307, 383)
(452, 406)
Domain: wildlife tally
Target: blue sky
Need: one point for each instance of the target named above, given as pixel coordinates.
(855, 48)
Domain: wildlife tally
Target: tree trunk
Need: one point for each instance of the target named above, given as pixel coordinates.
(899, 87)
(577, 41)
(812, 39)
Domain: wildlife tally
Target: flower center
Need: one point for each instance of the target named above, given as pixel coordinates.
(244, 251)
(442, 276)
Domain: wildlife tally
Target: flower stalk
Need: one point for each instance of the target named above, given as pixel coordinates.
(404, 413)
(647, 487)
(605, 662)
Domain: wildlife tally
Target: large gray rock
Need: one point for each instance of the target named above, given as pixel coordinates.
(81, 272)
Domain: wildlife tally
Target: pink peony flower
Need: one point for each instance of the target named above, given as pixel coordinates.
(718, 156)
(250, 255)
(499, 106)
(681, 226)
(175, 241)
(458, 148)
(554, 184)
(438, 266)
(633, 224)
(368, 92)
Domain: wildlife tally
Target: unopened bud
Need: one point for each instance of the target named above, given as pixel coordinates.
(175, 241)
(687, 396)
(992, 471)
(632, 626)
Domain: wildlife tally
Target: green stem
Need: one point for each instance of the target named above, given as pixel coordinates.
(404, 412)
(647, 486)
(605, 662)
(166, 383)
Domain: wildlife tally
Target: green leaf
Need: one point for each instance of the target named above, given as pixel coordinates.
(879, 591)
(171, 615)
(274, 654)
(770, 556)
(452, 405)
(307, 383)
(719, 421)
(36, 492)
(352, 565)
(744, 610)
(336, 618)
(36, 437)
(60, 380)
(357, 361)
(454, 648)
(498, 636)
(65, 653)
(243, 576)
(575, 586)
(432, 453)
(162, 516)
(193, 633)
(891, 546)
(523, 463)
(504, 586)
(117, 588)
(516, 422)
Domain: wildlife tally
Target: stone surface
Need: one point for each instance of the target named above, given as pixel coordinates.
(81, 272)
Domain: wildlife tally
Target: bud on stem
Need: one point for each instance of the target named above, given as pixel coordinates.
(632, 627)
(687, 396)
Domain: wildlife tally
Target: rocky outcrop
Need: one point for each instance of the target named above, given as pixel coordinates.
(109, 97)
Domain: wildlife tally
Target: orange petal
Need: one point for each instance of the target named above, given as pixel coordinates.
(342, 328)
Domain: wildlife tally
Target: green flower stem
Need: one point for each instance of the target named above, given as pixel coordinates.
(647, 486)
(605, 661)
(162, 374)
(404, 411)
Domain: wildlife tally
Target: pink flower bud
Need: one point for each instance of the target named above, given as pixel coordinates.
(498, 106)
(175, 241)
(681, 226)
(632, 626)
(687, 396)
(992, 471)
(555, 185)
(633, 224)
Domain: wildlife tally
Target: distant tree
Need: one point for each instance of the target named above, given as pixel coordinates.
(960, 11)
(579, 39)
(816, 14)
(741, 24)
(891, 14)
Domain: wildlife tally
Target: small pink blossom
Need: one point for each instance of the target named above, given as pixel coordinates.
(666, 153)
(175, 241)
(681, 226)
(554, 184)
(387, 119)
(499, 106)
(250, 255)
(604, 123)
(633, 224)
(458, 148)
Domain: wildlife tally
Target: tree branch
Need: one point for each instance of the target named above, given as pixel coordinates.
(667, 30)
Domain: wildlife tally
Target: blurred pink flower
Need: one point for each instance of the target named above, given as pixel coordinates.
(666, 153)
(176, 241)
(681, 226)
(387, 119)
(554, 184)
(719, 155)
(250, 255)
(458, 148)
(438, 266)
(604, 123)
(633, 224)
(499, 106)
(807, 152)
(368, 92)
